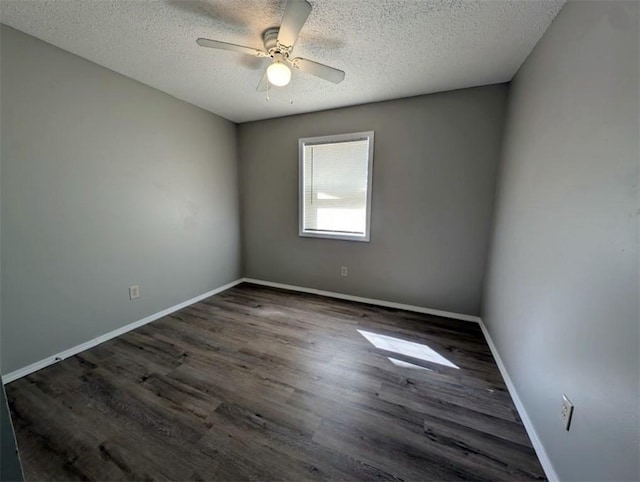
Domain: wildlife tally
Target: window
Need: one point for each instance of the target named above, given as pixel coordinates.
(335, 186)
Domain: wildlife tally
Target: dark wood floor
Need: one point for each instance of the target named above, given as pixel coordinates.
(263, 384)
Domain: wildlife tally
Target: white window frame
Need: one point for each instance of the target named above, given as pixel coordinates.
(355, 136)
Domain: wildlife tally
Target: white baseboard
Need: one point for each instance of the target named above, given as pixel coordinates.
(535, 440)
(370, 301)
(21, 372)
(550, 472)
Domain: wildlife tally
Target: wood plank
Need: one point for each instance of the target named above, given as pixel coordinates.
(259, 383)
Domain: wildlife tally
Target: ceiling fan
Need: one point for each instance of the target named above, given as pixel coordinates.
(278, 44)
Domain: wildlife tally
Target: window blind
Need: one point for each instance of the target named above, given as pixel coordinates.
(335, 187)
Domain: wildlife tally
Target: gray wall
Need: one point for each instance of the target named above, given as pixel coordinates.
(10, 469)
(435, 160)
(105, 183)
(562, 289)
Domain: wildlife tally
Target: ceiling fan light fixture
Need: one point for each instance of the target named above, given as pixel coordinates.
(279, 74)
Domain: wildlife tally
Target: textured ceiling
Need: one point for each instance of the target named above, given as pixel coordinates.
(388, 48)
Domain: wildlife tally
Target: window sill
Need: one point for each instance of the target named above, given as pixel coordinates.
(331, 235)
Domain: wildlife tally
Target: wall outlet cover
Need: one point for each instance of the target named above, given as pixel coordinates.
(134, 292)
(566, 412)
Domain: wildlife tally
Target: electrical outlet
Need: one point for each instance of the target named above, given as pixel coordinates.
(134, 292)
(344, 271)
(566, 412)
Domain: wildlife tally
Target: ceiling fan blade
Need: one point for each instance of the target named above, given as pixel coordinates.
(216, 44)
(264, 84)
(295, 15)
(319, 70)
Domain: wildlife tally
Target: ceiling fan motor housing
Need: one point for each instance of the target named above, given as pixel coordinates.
(271, 45)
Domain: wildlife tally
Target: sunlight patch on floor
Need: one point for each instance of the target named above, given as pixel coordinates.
(406, 348)
(404, 364)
